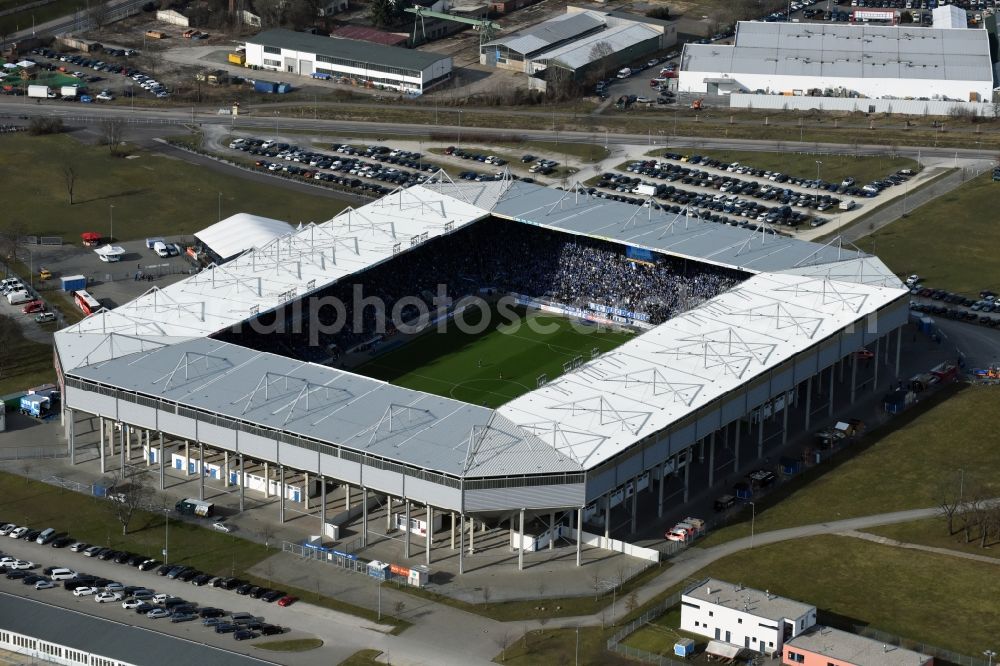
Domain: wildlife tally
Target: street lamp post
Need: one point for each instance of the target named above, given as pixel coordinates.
(989, 654)
(753, 519)
(818, 165)
(275, 125)
(166, 535)
(111, 215)
(220, 206)
(459, 128)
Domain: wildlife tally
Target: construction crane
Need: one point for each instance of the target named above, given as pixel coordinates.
(487, 28)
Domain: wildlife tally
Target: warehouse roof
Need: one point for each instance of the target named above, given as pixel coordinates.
(847, 51)
(348, 49)
(760, 603)
(854, 649)
(553, 31)
(365, 34)
(581, 52)
(238, 233)
(109, 639)
(321, 403)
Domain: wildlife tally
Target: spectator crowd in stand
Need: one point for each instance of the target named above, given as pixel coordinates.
(493, 255)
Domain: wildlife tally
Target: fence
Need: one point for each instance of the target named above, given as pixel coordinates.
(75, 486)
(32, 452)
(337, 558)
(939, 654)
(614, 643)
(39, 240)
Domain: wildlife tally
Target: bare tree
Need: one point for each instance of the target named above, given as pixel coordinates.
(128, 492)
(486, 592)
(596, 584)
(266, 533)
(113, 134)
(399, 607)
(600, 51)
(949, 501)
(632, 602)
(100, 15)
(503, 642)
(69, 177)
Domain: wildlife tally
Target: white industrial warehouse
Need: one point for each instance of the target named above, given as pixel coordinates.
(619, 423)
(838, 60)
(364, 63)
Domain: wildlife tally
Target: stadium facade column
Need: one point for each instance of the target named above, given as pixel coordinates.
(406, 532)
(364, 516)
(267, 481)
(607, 515)
(472, 535)
(688, 459)
(809, 396)
(854, 375)
(281, 493)
(388, 513)
(760, 432)
(552, 529)
(899, 345)
(461, 543)
(121, 453)
(520, 542)
(347, 497)
(101, 443)
(711, 459)
(659, 492)
(701, 451)
(878, 349)
(305, 490)
(579, 536)
(243, 484)
(225, 469)
(635, 501)
(453, 530)
(829, 406)
(784, 423)
(201, 470)
(187, 458)
(322, 508)
(71, 434)
(430, 535)
(736, 447)
(160, 457)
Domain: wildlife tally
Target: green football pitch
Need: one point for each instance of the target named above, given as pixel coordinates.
(495, 365)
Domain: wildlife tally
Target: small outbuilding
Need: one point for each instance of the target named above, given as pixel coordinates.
(238, 233)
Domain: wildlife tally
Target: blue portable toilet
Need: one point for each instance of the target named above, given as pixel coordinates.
(684, 647)
(743, 491)
(790, 466)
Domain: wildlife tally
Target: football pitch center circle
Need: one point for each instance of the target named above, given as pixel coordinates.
(474, 396)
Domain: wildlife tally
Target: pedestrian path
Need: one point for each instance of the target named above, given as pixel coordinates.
(886, 541)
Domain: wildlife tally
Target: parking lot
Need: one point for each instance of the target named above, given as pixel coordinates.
(103, 75)
(110, 590)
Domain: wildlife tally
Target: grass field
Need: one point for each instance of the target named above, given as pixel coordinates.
(495, 365)
(898, 471)
(151, 194)
(23, 363)
(934, 532)
(864, 169)
(856, 582)
(949, 242)
(363, 658)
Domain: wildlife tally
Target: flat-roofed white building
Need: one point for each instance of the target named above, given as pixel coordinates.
(901, 62)
(742, 616)
(300, 53)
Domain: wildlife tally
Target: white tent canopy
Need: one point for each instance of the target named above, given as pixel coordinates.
(238, 233)
(110, 253)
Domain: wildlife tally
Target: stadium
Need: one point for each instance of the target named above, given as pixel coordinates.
(493, 353)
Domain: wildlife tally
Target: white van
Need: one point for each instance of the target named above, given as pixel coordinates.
(18, 297)
(45, 534)
(847, 204)
(160, 248)
(62, 574)
(624, 73)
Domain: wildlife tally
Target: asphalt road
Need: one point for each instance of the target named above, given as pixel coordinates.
(76, 113)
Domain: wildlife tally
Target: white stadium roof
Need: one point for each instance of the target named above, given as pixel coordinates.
(238, 233)
(800, 294)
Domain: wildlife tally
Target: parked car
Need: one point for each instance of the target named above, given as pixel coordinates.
(287, 601)
(223, 527)
(245, 634)
(157, 613)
